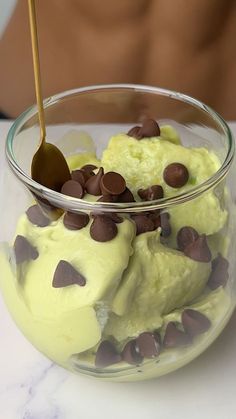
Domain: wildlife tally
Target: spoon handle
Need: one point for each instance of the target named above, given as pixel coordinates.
(37, 77)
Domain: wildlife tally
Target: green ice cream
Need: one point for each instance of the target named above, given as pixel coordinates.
(133, 283)
(142, 164)
(157, 280)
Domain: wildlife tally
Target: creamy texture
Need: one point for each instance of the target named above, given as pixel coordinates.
(94, 260)
(57, 337)
(142, 164)
(133, 283)
(157, 281)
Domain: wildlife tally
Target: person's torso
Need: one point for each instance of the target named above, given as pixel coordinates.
(183, 45)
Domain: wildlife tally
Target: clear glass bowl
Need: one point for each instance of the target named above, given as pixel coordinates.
(148, 306)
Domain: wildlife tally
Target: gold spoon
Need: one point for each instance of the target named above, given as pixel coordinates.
(49, 166)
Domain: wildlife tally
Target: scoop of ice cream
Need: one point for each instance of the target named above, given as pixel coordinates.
(57, 337)
(157, 280)
(66, 320)
(142, 164)
(92, 259)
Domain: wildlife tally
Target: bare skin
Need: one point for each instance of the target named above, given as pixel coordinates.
(183, 45)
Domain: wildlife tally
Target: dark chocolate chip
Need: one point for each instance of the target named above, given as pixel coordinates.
(88, 175)
(135, 132)
(112, 215)
(186, 236)
(150, 128)
(112, 183)
(156, 219)
(75, 221)
(162, 220)
(175, 337)
(103, 229)
(24, 250)
(199, 250)
(106, 355)
(126, 196)
(115, 217)
(93, 183)
(37, 217)
(147, 345)
(194, 322)
(130, 353)
(143, 224)
(72, 188)
(89, 167)
(219, 272)
(79, 176)
(151, 193)
(52, 212)
(65, 275)
(176, 175)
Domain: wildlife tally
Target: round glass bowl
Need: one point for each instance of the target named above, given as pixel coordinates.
(121, 288)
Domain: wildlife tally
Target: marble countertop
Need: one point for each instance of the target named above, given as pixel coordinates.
(32, 387)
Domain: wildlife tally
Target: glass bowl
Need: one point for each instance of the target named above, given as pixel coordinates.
(119, 288)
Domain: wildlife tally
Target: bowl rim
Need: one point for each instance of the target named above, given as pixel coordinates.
(75, 204)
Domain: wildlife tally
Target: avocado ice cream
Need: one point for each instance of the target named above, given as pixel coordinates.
(131, 292)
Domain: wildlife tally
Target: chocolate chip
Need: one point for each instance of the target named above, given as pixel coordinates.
(103, 229)
(75, 221)
(65, 275)
(199, 250)
(126, 196)
(52, 212)
(150, 128)
(156, 219)
(186, 236)
(194, 322)
(93, 183)
(115, 217)
(219, 272)
(24, 250)
(151, 193)
(175, 337)
(37, 217)
(112, 215)
(89, 167)
(143, 224)
(147, 345)
(106, 355)
(135, 132)
(112, 183)
(79, 176)
(176, 175)
(130, 353)
(162, 220)
(72, 188)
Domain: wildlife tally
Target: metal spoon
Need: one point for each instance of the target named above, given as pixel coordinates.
(49, 166)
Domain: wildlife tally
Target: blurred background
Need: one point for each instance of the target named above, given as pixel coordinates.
(187, 46)
(7, 7)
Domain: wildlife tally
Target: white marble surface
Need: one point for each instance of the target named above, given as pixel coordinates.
(31, 387)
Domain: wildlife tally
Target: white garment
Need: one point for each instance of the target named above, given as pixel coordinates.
(6, 9)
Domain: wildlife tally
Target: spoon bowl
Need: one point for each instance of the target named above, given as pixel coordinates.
(49, 167)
